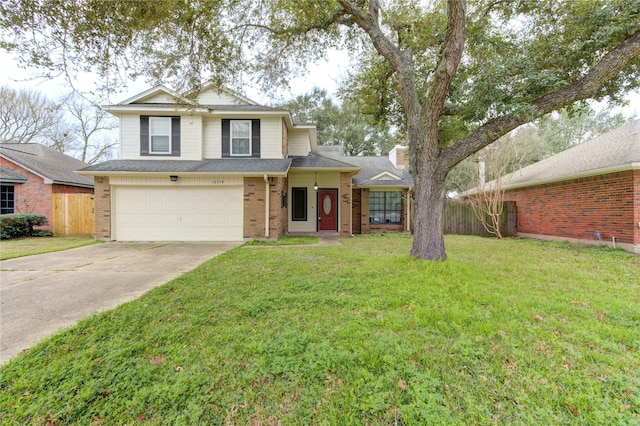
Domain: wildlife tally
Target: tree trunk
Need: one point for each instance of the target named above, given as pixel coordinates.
(428, 240)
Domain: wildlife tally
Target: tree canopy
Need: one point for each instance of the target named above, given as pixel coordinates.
(453, 76)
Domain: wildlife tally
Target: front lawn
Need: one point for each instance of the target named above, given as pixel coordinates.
(20, 247)
(507, 332)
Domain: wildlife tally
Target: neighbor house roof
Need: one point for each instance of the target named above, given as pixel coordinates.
(617, 150)
(51, 165)
(9, 176)
(244, 166)
(374, 171)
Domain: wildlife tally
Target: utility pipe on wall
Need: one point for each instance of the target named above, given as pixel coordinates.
(266, 208)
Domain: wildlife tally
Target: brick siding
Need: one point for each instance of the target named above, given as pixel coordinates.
(68, 189)
(345, 204)
(33, 196)
(102, 208)
(254, 205)
(580, 207)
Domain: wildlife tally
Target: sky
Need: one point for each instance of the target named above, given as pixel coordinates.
(325, 75)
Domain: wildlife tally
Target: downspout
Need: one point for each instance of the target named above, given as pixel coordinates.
(266, 209)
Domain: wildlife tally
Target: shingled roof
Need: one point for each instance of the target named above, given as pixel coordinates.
(212, 166)
(374, 171)
(51, 165)
(617, 150)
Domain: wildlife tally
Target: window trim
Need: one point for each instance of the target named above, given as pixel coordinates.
(151, 135)
(304, 191)
(249, 138)
(384, 210)
(4, 190)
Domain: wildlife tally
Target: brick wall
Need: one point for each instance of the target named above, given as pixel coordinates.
(277, 212)
(68, 189)
(578, 208)
(364, 211)
(33, 196)
(345, 204)
(102, 208)
(636, 197)
(254, 205)
(356, 210)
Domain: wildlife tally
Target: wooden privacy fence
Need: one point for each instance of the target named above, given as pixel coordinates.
(72, 214)
(459, 218)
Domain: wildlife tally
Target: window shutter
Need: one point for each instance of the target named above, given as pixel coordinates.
(175, 136)
(144, 135)
(255, 138)
(226, 138)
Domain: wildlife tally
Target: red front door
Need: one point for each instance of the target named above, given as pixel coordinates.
(327, 210)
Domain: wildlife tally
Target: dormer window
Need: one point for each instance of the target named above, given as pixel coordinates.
(241, 138)
(160, 135)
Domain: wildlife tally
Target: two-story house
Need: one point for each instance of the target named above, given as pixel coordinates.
(223, 168)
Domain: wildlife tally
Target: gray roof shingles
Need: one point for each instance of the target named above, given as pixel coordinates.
(7, 175)
(370, 167)
(46, 162)
(220, 165)
(616, 149)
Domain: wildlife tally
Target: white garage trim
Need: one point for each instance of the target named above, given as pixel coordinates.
(177, 213)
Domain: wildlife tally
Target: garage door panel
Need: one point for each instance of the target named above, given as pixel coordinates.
(178, 214)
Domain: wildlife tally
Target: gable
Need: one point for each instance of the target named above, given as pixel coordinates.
(213, 97)
(156, 98)
(385, 176)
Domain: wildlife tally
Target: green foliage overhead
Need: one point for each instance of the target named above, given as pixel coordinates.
(342, 124)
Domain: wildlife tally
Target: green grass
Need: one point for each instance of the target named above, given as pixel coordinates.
(284, 241)
(504, 332)
(10, 249)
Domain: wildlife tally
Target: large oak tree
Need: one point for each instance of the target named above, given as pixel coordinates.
(454, 76)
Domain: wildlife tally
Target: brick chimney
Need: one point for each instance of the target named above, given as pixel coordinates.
(399, 157)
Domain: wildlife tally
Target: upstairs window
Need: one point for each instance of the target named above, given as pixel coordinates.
(160, 135)
(241, 137)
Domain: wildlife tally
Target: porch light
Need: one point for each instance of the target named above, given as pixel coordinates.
(315, 184)
(173, 178)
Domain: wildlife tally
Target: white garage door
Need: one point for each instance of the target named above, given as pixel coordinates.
(178, 214)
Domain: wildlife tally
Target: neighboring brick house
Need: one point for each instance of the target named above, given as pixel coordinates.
(223, 168)
(588, 194)
(30, 174)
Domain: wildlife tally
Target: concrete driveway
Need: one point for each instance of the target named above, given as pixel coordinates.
(44, 293)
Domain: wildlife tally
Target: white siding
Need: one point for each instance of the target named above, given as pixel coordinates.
(271, 137)
(299, 142)
(211, 97)
(158, 98)
(212, 137)
(182, 181)
(190, 138)
(130, 137)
